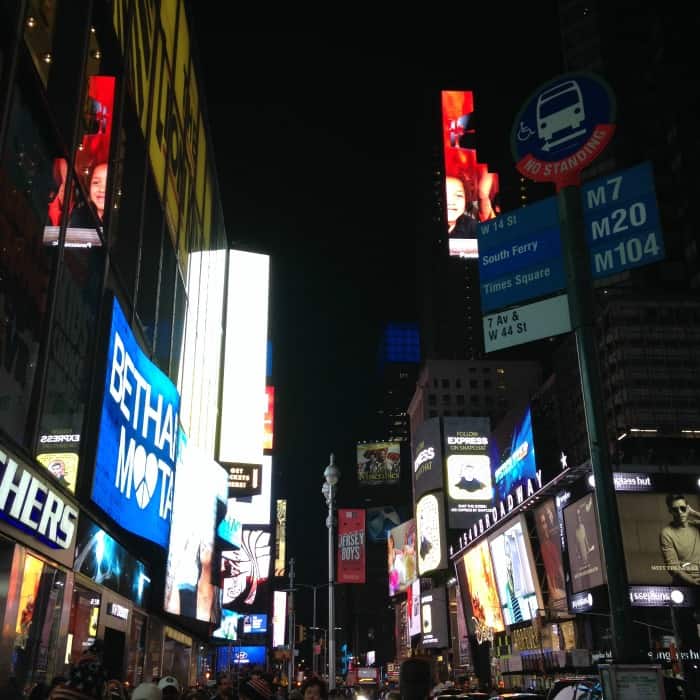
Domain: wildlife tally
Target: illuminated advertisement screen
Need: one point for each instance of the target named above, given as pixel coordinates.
(482, 590)
(245, 573)
(269, 431)
(427, 458)
(549, 538)
(513, 565)
(255, 510)
(401, 549)
(58, 452)
(102, 559)
(279, 618)
(244, 377)
(378, 463)
(434, 618)
(661, 537)
(233, 622)
(200, 487)
(430, 533)
(583, 544)
(470, 189)
(379, 521)
(281, 538)
(513, 456)
(468, 467)
(228, 657)
(137, 445)
(91, 167)
(413, 608)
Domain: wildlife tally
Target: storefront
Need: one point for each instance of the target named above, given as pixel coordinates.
(38, 524)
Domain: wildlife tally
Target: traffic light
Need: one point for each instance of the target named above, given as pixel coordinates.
(300, 633)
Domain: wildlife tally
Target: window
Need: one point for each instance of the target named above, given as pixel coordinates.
(460, 399)
(458, 383)
(487, 383)
(432, 414)
(445, 399)
(445, 383)
(39, 26)
(473, 384)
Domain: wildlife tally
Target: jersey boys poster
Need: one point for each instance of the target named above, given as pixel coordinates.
(351, 545)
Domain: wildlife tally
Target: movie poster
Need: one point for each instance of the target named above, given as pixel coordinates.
(378, 463)
(583, 544)
(482, 591)
(548, 535)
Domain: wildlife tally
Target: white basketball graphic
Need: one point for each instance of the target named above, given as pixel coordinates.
(145, 476)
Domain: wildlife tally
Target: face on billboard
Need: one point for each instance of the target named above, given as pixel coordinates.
(244, 572)
(661, 538)
(481, 584)
(201, 488)
(427, 458)
(430, 531)
(470, 189)
(548, 535)
(469, 487)
(512, 563)
(378, 463)
(583, 544)
(137, 445)
(513, 457)
(102, 559)
(401, 553)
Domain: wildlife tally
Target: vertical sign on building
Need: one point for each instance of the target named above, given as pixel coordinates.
(351, 545)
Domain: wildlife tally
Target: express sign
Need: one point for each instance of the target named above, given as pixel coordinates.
(136, 452)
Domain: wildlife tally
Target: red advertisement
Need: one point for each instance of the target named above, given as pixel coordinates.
(269, 418)
(470, 189)
(351, 545)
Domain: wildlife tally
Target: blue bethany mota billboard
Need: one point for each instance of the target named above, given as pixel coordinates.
(136, 450)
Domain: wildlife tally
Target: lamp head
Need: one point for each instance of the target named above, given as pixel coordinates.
(332, 473)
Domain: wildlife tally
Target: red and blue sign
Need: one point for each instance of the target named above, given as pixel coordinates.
(562, 128)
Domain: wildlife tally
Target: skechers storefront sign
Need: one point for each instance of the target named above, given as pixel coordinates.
(135, 463)
(30, 505)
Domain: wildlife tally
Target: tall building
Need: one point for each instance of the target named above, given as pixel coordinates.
(112, 330)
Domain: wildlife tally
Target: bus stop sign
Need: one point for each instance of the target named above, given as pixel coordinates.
(562, 128)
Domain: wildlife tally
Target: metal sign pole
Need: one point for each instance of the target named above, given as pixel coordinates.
(581, 306)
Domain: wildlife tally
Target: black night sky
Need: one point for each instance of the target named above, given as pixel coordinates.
(321, 144)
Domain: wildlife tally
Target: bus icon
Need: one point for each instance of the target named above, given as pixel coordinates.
(560, 113)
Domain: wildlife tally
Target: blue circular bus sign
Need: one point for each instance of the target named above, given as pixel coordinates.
(563, 127)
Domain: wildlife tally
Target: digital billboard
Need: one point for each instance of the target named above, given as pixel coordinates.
(200, 498)
(269, 426)
(233, 624)
(378, 463)
(137, 445)
(661, 537)
(515, 573)
(468, 467)
(91, 160)
(482, 589)
(245, 573)
(513, 456)
(549, 538)
(401, 553)
(281, 537)
(413, 608)
(427, 458)
(255, 510)
(380, 520)
(58, 452)
(279, 618)
(229, 657)
(583, 544)
(430, 533)
(434, 618)
(101, 558)
(244, 402)
(470, 189)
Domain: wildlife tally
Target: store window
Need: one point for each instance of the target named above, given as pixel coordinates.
(27, 185)
(82, 629)
(36, 648)
(39, 26)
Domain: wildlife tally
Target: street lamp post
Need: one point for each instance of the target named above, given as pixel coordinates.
(331, 475)
(314, 587)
